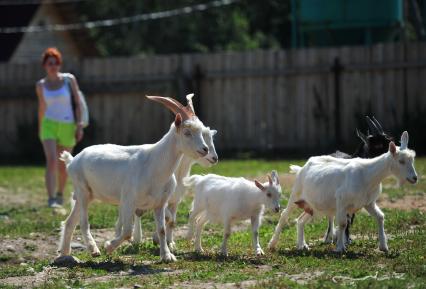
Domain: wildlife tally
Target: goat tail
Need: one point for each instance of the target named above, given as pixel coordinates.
(192, 181)
(295, 169)
(66, 157)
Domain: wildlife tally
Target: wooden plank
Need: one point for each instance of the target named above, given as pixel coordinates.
(239, 94)
(301, 101)
(257, 111)
(291, 117)
(215, 94)
(270, 96)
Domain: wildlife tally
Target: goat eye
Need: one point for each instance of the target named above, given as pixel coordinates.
(187, 133)
(402, 162)
(269, 195)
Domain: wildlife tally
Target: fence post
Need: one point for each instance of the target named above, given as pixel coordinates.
(337, 69)
(180, 81)
(197, 78)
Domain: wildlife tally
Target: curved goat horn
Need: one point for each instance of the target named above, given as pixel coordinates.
(361, 136)
(174, 105)
(379, 127)
(372, 126)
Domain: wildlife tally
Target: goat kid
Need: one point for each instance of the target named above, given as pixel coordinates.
(225, 200)
(131, 177)
(337, 187)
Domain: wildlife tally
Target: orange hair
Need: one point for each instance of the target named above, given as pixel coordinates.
(51, 52)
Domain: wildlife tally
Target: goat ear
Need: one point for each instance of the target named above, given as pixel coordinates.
(178, 120)
(361, 136)
(392, 148)
(213, 132)
(259, 185)
(404, 140)
(275, 178)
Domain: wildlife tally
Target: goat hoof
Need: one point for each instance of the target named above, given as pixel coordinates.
(223, 253)
(199, 250)
(155, 239)
(303, 247)
(272, 246)
(340, 250)
(108, 247)
(328, 240)
(137, 241)
(96, 253)
(172, 246)
(384, 248)
(259, 252)
(168, 257)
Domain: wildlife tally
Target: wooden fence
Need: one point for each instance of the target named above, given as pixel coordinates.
(308, 100)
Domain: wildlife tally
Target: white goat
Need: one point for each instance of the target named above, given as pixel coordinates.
(225, 200)
(181, 172)
(337, 187)
(131, 177)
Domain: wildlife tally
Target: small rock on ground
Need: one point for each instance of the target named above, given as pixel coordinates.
(77, 246)
(65, 261)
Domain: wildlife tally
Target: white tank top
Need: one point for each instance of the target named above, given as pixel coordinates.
(58, 103)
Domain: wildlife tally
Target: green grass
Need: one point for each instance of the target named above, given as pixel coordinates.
(406, 231)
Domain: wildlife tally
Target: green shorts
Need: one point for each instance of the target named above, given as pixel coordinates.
(63, 133)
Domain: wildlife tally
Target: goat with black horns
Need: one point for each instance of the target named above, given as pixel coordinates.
(374, 143)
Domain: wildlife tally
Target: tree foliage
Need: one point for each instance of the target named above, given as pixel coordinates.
(244, 25)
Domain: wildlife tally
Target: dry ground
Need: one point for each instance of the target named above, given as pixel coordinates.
(25, 257)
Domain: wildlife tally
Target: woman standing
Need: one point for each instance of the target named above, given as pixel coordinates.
(60, 126)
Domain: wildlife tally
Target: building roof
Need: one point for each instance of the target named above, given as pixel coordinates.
(8, 18)
(21, 15)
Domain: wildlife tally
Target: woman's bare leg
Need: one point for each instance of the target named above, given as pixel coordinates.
(49, 147)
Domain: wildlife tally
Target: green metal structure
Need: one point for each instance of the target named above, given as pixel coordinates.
(345, 22)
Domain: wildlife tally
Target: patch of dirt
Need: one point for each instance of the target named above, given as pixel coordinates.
(36, 280)
(302, 278)
(49, 273)
(21, 197)
(14, 200)
(405, 203)
(213, 285)
(287, 180)
(44, 247)
(35, 247)
(131, 272)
